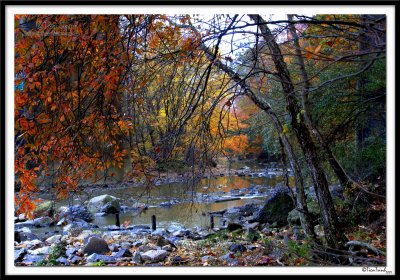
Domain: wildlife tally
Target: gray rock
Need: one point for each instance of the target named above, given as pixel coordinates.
(230, 259)
(236, 213)
(127, 245)
(165, 204)
(76, 228)
(207, 258)
(123, 253)
(40, 251)
(136, 257)
(111, 207)
(70, 252)
(175, 227)
(177, 259)
(63, 261)
(75, 259)
(19, 254)
(276, 208)
(147, 247)
(96, 257)
(43, 221)
(97, 203)
(53, 239)
(114, 247)
(24, 236)
(87, 238)
(159, 231)
(96, 245)
(237, 248)
(182, 233)
(100, 214)
(63, 221)
(31, 243)
(25, 230)
(78, 212)
(154, 255)
(23, 224)
(32, 258)
(137, 243)
(167, 248)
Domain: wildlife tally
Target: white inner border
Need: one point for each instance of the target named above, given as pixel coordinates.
(11, 10)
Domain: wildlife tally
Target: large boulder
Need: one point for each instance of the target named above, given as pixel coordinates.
(276, 208)
(104, 203)
(236, 213)
(97, 245)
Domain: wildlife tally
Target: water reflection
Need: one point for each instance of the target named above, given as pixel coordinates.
(187, 208)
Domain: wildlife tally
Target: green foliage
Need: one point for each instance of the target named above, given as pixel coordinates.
(300, 250)
(369, 160)
(98, 263)
(56, 250)
(253, 236)
(42, 263)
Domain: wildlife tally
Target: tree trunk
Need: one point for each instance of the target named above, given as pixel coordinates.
(344, 179)
(333, 237)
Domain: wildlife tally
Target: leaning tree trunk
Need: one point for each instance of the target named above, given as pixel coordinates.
(304, 136)
(344, 179)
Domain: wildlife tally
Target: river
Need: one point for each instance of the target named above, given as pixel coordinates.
(190, 203)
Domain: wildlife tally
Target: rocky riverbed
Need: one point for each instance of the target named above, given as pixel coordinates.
(77, 241)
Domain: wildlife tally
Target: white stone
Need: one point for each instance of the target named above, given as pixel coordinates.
(53, 239)
(40, 251)
(154, 255)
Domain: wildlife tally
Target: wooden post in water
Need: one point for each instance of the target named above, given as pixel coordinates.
(117, 223)
(212, 221)
(153, 222)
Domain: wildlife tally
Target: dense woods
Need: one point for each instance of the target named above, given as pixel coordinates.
(148, 94)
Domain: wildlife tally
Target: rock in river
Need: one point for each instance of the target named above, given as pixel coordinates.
(104, 203)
